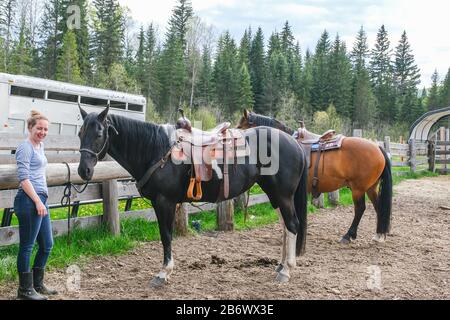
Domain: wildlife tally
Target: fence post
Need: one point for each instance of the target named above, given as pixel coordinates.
(241, 201)
(412, 155)
(357, 133)
(431, 155)
(225, 215)
(111, 206)
(181, 220)
(333, 198)
(319, 202)
(387, 146)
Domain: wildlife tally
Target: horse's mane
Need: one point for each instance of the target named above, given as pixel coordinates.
(260, 120)
(140, 138)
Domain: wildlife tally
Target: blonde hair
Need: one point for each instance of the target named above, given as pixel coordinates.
(35, 116)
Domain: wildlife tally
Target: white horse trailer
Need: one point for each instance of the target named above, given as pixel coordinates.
(58, 101)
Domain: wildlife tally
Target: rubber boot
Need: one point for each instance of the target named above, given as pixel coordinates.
(38, 282)
(26, 290)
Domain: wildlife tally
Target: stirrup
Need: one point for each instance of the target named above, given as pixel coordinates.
(190, 193)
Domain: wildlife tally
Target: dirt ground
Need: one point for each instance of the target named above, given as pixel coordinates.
(414, 263)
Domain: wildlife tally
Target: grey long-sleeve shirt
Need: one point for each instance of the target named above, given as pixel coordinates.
(31, 165)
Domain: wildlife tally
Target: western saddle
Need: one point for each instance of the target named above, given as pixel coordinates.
(204, 150)
(312, 142)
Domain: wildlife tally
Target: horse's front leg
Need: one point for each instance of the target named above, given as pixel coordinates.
(165, 213)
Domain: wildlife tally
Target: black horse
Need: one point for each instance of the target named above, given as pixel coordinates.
(138, 146)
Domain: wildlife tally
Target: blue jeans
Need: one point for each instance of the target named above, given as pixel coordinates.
(32, 227)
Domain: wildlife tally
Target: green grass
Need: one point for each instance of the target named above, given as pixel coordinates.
(98, 242)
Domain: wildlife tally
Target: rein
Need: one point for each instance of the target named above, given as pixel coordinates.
(66, 199)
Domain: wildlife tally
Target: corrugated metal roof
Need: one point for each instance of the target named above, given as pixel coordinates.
(420, 130)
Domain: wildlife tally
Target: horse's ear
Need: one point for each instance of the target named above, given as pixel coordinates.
(102, 116)
(83, 113)
(245, 113)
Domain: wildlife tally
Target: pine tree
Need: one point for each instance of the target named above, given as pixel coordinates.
(245, 99)
(320, 95)
(274, 45)
(21, 61)
(360, 51)
(364, 101)
(171, 74)
(82, 39)
(109, 30)
(257, 69)
(340, 79)
(244, 48)
(276, 83)
(306, 85)
(178, 23)
(7, 24)
(287, 40)
(151, 85)
(205, 85)
(140, 59)
(226, 83)
(433, 94)
(444, 92)
(381, 72)
(295, 74)
(407, 78)
(51, 34)
(67, 67)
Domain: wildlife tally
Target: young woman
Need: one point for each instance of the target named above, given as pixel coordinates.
(30, 206)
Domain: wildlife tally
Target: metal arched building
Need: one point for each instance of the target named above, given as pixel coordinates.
(420, 130)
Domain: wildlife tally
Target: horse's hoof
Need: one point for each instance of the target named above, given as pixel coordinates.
(157, 282)
(345, 241)
(379, 238)
(282, 278)
(279, 268)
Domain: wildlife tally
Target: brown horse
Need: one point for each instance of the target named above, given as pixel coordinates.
(359, 164)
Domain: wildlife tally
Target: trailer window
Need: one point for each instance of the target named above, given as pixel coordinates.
(62, 96)
(118, 105)
(54, 128)
(27, 92)
(69, 130)
(94, 101)
(135, 107)
(16, 125)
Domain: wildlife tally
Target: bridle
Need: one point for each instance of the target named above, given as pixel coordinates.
(101, 154)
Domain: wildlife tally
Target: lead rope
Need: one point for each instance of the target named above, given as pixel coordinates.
(66, 199)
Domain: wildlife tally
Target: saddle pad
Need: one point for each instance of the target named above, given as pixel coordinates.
(334, 144)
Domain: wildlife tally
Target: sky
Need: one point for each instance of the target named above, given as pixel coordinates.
(425, 22)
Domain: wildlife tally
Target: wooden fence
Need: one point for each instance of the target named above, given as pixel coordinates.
(110, 184)
(439, 150)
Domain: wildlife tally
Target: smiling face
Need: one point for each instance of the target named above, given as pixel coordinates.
(39, 131)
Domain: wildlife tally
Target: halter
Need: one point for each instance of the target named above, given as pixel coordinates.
(97, 154)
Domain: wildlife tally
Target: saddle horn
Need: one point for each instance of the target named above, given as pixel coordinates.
(183, 123)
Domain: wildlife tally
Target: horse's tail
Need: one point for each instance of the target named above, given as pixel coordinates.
(384, 201)
(301, 209)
